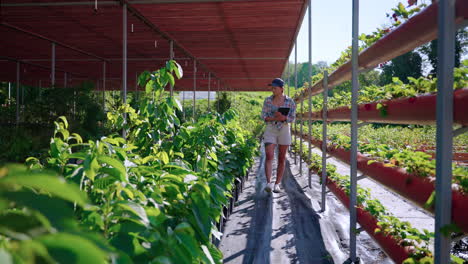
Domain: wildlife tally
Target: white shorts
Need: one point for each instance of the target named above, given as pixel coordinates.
(276, 136)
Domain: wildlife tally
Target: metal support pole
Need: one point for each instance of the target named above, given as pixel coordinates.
(183, 101)
(443, 188)
(22, 95)
(219, 83)
(171, 55)
(309, 79)
(287, 76)
(52, 76)
(354, 130)
(17, 91)
(74, 103)
(209, 90)
(64, 80)
(40, 89)
(137, 91)
(324, 139)
(300, 138)
(295, 87)
(194, 87)
(124, 62)
(9, 91)
(104, 85)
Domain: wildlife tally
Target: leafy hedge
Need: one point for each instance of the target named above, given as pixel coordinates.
(153, 197)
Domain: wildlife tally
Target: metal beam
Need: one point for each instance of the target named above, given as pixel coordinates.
(124, 61)
(309, 81)
(114, 3)
(324, 140)
(209, 90)
(161, 59)
(295, 87)
(52, 75)
(104, 85)
(140, 16)
(171, 57)
(50, 40)
(40, 66)
(194, 87)
(354, 131)
(17, 91)
(444, 106)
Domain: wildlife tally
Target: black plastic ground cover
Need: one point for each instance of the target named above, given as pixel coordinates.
(273, 228)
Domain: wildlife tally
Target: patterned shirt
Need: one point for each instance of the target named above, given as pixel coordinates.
(269, 110)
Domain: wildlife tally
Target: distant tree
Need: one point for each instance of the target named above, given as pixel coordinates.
(222, 103)
(369, 78)
(303, 72)
(461, 48)
(365, 79)
(321, 65)
(404, 66)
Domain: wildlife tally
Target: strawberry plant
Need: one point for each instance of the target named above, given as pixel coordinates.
(393, 155)
(406, 235)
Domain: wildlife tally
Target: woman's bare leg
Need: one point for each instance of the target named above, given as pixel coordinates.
(283, 149)
(270, 155)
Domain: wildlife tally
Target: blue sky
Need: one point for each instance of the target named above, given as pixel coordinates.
(331, 26)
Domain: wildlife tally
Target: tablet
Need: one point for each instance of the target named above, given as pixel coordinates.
(284, 110)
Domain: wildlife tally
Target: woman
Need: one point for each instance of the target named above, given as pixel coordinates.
(278, 130)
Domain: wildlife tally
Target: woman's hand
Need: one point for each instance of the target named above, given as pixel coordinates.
(280, 117)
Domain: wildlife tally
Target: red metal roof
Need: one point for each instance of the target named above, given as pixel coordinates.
(244, 43)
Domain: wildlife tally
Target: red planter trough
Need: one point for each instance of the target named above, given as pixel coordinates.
(388, 244)
(412, 187)
(419, 110)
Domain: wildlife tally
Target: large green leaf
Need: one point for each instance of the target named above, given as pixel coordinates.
(117, 164)
(68, 248)
(19, 221)
(57, 211)
(136, 209)
(5, 257)
(47, 182)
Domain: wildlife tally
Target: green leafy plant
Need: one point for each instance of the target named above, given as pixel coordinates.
(154, 196)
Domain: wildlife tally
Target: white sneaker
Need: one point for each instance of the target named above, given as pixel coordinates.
(269, 187)
(276, 189)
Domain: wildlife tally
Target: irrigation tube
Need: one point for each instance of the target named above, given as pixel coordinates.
(354, 131)
(446, 50)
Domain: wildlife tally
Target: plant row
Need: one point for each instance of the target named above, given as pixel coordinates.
(154, 196)
(394, 90)
(395, 137)
(413, 162)
(419, 110)
(401, 241)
